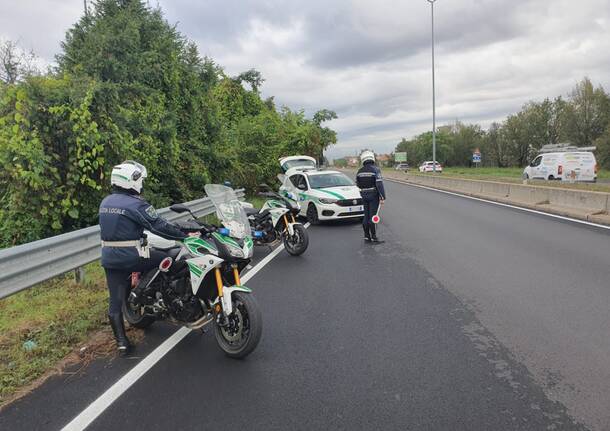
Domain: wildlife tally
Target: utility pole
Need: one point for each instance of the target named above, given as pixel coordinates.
(433, 95)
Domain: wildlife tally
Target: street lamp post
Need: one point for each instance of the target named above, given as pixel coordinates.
(433, 95)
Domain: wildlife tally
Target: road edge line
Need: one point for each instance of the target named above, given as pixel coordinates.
(97, 407)
(575, 220)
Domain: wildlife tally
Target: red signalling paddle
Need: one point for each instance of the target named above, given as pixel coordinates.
(376, 219)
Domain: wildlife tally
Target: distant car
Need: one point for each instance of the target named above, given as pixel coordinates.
(402, 167)
(429, 167)
(567, 166)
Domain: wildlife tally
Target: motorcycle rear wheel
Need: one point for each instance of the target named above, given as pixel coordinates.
(135, 317)
(134, 314)
(244, 334)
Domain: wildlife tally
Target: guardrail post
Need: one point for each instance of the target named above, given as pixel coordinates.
(79, 275)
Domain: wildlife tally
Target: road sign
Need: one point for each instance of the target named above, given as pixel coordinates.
(400, 157)
(476, 156)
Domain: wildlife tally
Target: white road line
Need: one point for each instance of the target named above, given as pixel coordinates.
(104, 401)
(502, 204)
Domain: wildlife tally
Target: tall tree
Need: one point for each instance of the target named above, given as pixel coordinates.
(252, 77)
(587, 114)
(15, 63)
(495, 146)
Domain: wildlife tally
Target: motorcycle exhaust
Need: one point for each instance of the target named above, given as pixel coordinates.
(198, 324)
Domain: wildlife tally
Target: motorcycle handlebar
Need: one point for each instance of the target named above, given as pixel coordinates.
(196, 226)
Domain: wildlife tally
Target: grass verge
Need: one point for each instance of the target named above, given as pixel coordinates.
(40, 326)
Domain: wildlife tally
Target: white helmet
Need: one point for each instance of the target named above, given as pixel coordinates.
(367, 156)
(129, 175)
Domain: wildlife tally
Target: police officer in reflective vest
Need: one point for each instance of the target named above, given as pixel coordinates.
(124, 215)
(370, 183)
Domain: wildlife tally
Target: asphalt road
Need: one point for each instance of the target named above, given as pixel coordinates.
(469, 317)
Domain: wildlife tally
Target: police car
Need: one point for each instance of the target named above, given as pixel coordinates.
(323, 195)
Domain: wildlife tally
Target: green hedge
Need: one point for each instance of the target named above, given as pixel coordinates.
(129, 86)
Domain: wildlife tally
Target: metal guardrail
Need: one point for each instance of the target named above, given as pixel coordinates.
(28, 264)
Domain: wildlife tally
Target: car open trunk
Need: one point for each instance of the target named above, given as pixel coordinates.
(298, 162)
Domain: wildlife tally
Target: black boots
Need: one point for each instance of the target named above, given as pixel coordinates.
(122, 342)
(367, 233)
(374, 234)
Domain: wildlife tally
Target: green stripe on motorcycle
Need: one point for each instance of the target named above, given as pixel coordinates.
(194, 242)
(195, 269)
(337, 195)
(225, 239)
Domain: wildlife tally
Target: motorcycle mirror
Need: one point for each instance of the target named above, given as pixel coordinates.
(179, 208)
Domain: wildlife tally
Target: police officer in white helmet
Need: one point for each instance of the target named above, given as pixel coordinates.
(124, 215)
(372, 191)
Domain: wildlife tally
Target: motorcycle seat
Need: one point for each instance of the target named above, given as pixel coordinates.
(251, 211)
(171, 251)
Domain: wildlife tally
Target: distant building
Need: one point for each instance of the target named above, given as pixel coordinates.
(384, 159)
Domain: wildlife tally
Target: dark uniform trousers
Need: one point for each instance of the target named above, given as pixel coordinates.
(119, 280)
(371, 205)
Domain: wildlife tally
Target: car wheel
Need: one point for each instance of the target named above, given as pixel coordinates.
(312, 214)
(551, 178)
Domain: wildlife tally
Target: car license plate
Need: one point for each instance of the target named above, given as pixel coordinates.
(355, 209)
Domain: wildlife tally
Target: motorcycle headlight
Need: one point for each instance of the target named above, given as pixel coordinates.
(327, 201)
(236, 252)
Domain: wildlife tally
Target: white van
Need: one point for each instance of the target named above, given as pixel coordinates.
(567, 166)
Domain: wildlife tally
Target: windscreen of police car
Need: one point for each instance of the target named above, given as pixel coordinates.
(323, 181)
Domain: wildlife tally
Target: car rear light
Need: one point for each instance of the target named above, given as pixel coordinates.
(559, 170)
(596, 167)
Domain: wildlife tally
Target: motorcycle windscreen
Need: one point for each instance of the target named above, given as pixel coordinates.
(292, 192)
(229, 210)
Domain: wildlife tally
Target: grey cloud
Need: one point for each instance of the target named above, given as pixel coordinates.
(38, 25)
(370, 61)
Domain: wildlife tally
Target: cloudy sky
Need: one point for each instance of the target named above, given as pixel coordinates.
(370, 60)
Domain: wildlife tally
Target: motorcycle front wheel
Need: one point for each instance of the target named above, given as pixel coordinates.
(297, 243)
(240, 336)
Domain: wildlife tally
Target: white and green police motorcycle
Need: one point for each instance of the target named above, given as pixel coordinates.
(276, 220)
(198, 283)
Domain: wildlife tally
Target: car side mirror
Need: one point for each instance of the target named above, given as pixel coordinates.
(179, 208)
